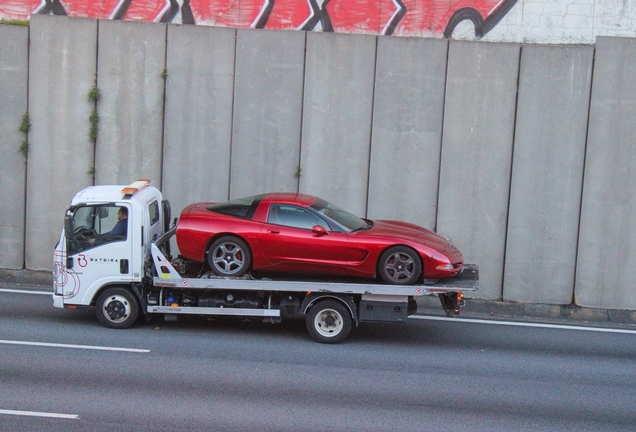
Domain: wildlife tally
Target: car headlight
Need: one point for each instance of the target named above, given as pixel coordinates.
(445, 267)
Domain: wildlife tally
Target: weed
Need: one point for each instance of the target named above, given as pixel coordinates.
(25, 126)
(24, 148)
(93, 94)
(91, 171)
(164, 73)
(298, 170)
(14, 22)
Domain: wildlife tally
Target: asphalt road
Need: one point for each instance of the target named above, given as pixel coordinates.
(231, 375)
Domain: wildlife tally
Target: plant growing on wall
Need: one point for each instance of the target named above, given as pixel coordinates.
(93, 96)
(25, 126)
(17, 22)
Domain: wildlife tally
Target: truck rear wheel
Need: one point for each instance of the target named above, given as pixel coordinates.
(329, 321)
(117, 308)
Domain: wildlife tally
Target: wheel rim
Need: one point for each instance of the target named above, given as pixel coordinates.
(328, 323)
(228, 258)
(117, 309)
(399, 266)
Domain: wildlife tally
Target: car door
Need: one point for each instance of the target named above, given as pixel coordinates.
(290, 242)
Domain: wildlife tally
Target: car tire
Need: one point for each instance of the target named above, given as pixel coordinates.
(117, 308)
(329, 322)
(229, 256)
(399, 265)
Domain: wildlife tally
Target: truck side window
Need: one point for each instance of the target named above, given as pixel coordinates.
(153, 209)
(97, 225)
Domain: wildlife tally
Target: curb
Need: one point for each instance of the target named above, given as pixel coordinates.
(429, 305)
(477, 308)
(27, 279)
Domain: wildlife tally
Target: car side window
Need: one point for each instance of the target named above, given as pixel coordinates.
(294, 216)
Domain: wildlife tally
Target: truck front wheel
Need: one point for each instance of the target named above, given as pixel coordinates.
(328, 321)
(117, 308)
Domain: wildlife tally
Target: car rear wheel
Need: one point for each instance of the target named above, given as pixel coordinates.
(229, 256)
(399, 265)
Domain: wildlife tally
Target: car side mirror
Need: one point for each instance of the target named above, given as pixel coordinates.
(319, 230)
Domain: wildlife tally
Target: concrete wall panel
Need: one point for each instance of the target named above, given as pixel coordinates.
(544, 210)
(407, 129)
(479, 117)
(337, 114)
(14, 61)
(61, 74)
(607, 240)
(198, 117)
(267, 112)
(129, 141)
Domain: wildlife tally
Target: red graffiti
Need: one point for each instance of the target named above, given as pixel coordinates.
(384, 17)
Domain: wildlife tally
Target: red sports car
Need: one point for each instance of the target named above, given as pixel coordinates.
(298, 233)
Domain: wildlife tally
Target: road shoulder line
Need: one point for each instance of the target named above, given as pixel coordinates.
(524, 324)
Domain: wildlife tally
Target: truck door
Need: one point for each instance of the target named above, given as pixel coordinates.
(99, 248)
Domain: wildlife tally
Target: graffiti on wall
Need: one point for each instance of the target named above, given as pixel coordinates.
(382, 17)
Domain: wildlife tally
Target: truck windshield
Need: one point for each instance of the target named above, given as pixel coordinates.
(97, 225)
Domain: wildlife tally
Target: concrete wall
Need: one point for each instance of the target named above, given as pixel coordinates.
(14, 67)
(62, 62)
(481, 92)
(407, 129)
(607, 241)
(267, 112)
(488, 143)
(198, 117)
(337, 111)
(547, 173)
(132, 57)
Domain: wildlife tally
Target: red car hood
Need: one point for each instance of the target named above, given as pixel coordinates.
(407, 231)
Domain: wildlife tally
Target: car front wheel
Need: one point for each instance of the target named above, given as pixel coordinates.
(399, 265)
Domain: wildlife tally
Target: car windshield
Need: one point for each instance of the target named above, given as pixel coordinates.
(243, 207)
(345, 219)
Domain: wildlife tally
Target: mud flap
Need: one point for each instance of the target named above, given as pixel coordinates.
(452, 302)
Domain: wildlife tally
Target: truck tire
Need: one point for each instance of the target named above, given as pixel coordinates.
(117, 308)
(329, 322)
(229, 256)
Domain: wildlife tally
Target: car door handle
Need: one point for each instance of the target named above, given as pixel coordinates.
(273, 231)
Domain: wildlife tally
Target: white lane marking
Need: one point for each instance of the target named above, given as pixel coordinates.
(25, 291)
(89, 347)
(522, 324)
(39, 414)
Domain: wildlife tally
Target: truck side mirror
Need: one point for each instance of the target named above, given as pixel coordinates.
(69, 229)
(69, 225)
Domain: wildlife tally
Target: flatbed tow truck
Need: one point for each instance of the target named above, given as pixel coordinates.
(123, 276)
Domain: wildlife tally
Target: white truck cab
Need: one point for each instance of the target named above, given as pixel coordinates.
(95, 251)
